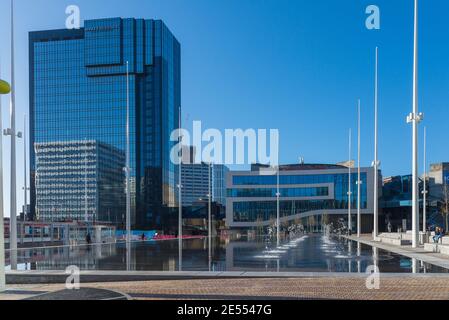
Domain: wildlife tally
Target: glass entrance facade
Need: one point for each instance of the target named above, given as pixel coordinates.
(304, 191)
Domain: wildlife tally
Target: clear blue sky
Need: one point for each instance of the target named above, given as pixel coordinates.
(296, 65)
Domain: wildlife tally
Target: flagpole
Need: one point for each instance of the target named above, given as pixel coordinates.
(180, 232)
(349, 184)
(25, 185)
(128, 169)
(376, 160)
(86, 207)
(359, 181)
(415, 117)
(278, 216)
(424, 224)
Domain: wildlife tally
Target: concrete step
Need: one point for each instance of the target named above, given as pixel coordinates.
(444, 240)
(444, 249)
(390, 235)
(431, 247)
(395, 241)
(437, 248)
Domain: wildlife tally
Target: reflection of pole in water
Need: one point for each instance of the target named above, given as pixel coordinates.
(278, 266)
(180, 247)
(376, 257)
(415, 268)
(423, 266)
(359, 253)
(350, 256)
(128, 256)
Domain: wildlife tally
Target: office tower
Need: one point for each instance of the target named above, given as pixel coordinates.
(79, 181)
(78, 92)
(195, 182)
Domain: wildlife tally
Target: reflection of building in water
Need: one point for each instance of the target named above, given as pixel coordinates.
(69, 172)
(59, 258)
(309, 194)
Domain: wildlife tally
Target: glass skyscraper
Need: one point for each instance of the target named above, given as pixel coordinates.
(78, 92)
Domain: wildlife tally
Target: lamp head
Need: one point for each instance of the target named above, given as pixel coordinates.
(5, 88)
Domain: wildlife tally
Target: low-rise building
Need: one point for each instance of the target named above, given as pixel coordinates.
(309, 194)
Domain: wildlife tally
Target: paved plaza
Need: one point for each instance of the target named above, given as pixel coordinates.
(335, 288)
(438, 259)
(196, 285)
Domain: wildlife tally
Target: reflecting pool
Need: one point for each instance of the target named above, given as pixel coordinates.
(308, 253)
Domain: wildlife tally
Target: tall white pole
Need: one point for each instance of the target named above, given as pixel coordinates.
(13, 200)
(359, 180)
(180, 235)
(415, 118)
(376, 160)
(128, 169)
(278, 214)
(349, 182)
(2, 227)
(424, 219)
(210, 215)
(86, 206)
(25, 185)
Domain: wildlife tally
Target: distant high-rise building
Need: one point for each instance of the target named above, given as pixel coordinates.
(438, 181)
(188, 154)
(439, 172)
(220, 173)
(195, 181)
(78, 91)
(79, 180)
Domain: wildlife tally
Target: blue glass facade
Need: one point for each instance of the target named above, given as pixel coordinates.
(252, 196)
(78, 92)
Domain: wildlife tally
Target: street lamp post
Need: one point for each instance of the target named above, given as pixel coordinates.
(415, 118)
(4, 89)
(359, 180)
(12, 132)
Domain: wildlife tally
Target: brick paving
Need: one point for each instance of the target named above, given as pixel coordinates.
(391, 288)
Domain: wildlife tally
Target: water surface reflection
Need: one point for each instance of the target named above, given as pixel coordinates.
(310, 253)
